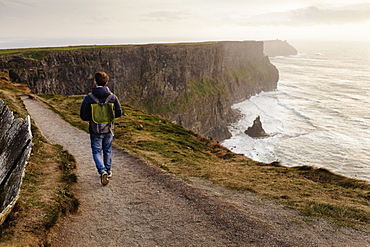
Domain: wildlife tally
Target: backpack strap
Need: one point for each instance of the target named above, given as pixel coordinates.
(108, 98)
(94, 98)
(97, 100)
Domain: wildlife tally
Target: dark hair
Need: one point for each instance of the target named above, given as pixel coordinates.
(101, 78)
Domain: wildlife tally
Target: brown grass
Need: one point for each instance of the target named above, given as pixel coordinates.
(311, 191)
(45, 192)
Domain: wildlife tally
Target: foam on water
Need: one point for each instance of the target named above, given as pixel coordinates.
(319, 114)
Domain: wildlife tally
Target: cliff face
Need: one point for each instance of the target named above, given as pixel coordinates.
(273, 48)
(194, 85)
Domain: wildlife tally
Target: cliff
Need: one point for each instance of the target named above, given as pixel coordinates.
(273, 48)
(193, 84)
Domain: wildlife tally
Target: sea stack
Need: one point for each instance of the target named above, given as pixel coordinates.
(256, 131)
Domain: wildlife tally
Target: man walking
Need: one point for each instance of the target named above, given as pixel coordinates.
(101, 141)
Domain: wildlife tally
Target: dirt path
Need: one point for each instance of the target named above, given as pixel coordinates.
(144, 206)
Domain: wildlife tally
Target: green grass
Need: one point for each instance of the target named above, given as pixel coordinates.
(249, 71)
(40, 53)
(310, 191)
(198, 92)
(207, 87)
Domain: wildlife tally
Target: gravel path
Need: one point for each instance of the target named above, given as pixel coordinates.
(144, 206)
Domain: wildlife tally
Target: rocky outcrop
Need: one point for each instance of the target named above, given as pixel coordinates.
(15, 148)
(256, 130)
(273, 48)
(194, 84)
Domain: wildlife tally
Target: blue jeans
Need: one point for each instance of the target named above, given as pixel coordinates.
(101, 145)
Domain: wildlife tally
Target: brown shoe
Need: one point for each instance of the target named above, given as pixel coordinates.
(104, 178)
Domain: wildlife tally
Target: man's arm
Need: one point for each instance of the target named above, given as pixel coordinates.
(85, 110)
(117, 108)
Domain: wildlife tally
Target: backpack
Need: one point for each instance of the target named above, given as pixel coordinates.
(102, 115)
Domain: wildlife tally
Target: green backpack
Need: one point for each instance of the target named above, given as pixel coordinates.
(102, 115)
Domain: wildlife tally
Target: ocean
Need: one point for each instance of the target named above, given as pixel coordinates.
(319, 115)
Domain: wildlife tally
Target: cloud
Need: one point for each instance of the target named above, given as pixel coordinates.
(17, 2)
(14, 8)
(312, 16)
(166, 16)
(344, 15)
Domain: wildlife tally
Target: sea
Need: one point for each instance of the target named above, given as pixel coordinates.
(319, 115)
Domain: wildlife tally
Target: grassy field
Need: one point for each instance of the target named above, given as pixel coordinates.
(45, 193)
(40, 53)
(311, 191)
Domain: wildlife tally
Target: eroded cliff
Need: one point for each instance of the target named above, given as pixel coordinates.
(273, 48)
(193, 84)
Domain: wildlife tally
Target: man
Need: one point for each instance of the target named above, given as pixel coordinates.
(101, 144)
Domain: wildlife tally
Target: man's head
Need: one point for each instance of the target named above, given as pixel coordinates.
(101, 78)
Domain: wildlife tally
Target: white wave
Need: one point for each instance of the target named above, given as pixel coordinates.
(319, 111)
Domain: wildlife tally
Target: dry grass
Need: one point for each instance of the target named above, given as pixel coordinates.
(45, 192)
(311, 191)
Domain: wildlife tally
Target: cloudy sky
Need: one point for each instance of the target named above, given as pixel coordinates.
(72, 22)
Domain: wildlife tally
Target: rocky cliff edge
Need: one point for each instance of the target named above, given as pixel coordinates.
(193, 84)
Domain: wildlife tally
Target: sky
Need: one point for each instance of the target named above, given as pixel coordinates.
(35, 23)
